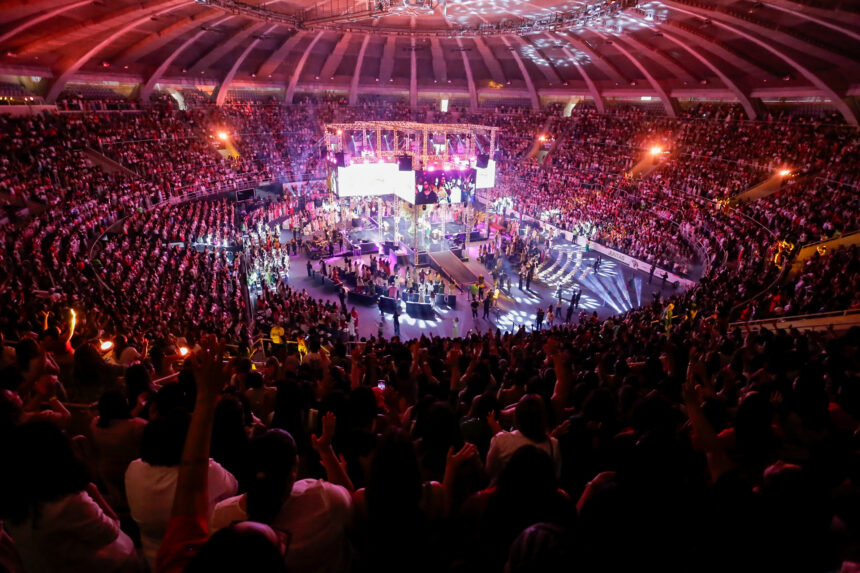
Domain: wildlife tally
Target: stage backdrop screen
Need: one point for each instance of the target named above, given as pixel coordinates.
(486, 177)
(444, 186)
(373, 179)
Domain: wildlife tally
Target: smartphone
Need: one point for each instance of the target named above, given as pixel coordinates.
(380, 384)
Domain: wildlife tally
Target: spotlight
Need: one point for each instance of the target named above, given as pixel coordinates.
(656, 150)
(183, 351)
(106, 345)
(785, 172)
(222, 135)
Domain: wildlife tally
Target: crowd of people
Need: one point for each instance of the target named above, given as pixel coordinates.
(658, 438)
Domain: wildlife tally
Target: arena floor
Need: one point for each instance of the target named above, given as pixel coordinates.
(613, 290)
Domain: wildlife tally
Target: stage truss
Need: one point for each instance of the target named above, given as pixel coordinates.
(425, 143)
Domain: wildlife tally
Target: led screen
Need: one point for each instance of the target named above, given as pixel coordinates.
(444, 186)
(372, 179)
(486, 178)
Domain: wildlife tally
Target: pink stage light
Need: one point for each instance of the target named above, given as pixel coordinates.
(430, 168)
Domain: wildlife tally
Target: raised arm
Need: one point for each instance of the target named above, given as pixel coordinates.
(563, 378)
(191, 497)
(704, 437)
(334, 467)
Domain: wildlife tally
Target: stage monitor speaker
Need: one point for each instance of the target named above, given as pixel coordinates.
(497, 156)
(404, 163)
(340, 159)
(323, 152)
(482, 161)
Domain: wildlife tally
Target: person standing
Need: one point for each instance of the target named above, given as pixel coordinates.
(488, 302)
(475, 309)
(396, 321)
(559, 296)
(569, 314)
(455, 328)
(539, 318)
(651, 273)
(529, 277)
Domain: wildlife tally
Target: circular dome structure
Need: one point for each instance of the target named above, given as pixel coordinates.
(464, 49)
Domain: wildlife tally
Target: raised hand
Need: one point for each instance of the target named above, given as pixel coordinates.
(323, 442)
(455, 460)
(207, 367)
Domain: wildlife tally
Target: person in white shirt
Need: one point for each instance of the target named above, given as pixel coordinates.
(124, 354)
(57, 518)
(150, 482)
(312, 514)
(530, 422)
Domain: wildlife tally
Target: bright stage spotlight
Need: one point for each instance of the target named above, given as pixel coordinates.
(785, 172)
(222, 135)
(656, 150)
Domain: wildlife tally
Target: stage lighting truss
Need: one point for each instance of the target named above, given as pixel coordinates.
(428, 143)
(351, 16)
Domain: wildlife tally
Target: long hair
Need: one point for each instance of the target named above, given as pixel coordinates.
(39, 467)
(112, 406)
(530, 418)
(394, 487)
(272, 460)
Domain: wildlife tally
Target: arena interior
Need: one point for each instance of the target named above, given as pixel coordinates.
(429, 285)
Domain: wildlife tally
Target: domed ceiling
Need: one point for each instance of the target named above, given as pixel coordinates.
(469, 49)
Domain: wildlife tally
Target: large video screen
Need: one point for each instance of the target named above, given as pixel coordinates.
(374, 179)
(486, 178)
(440, 187)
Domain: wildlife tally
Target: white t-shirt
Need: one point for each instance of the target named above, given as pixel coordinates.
(73, 534)
(150, 491)
(316, 516)
(128, 355)
(504, 444)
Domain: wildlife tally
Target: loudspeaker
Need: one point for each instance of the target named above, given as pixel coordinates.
(323, 152)
(339, 159)
(497, 156)
(404, 163)
(482, 161)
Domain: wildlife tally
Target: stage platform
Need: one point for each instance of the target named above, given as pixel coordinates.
(450, 265)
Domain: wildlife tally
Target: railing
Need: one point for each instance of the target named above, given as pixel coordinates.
(852, 315)
(169, 201)
(816, 243)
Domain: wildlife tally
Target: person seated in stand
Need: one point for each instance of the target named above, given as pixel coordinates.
(56, 516)
(313, 514)
(151, 480)
(187, 546)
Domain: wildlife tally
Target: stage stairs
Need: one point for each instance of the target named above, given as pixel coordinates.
(452, 267)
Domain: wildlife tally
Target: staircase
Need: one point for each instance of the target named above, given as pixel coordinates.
(106, 163)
